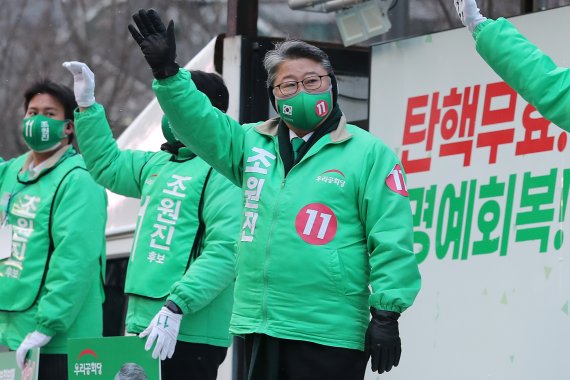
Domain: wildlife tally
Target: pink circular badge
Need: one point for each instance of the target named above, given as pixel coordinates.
(395, 181)
(321, 108)
(316, 224)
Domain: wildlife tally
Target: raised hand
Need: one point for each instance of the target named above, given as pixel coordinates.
(83, 83)
(156, 42)
(469, 13)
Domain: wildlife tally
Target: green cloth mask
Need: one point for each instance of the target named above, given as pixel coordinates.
(43, 134)
(305, 110)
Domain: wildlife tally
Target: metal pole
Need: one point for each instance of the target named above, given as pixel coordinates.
(301, 4)
(242, 18)
(400, 18)
(527, 6)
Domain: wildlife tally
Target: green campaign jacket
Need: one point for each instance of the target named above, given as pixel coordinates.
(525, 68)
(53, 280)
(161, 265)
(312, 241)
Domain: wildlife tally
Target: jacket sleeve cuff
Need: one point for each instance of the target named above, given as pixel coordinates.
(180, 302)
(480, 27)
(376, 302)
(92, 109)
(45, 330)
(173, 78)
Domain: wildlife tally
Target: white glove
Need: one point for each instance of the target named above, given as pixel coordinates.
(32, 340)
(164, 329)
(83, 83)
(469, 13)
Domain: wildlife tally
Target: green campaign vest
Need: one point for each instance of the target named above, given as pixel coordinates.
(29, 213)
(167, 236)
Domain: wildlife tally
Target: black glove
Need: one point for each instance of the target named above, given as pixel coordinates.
(383, 342)
(157, 42)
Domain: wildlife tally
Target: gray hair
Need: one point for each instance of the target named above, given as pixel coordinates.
(293, 49)
(131, 371)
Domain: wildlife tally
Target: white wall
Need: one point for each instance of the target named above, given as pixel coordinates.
(502, 315)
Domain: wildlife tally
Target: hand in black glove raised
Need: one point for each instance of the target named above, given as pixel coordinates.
(157, 42)
(383, 342)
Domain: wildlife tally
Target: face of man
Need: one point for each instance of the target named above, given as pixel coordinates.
(48, 106)
(302, 89)
(295, 70)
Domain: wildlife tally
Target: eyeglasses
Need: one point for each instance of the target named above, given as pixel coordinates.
(311, 83)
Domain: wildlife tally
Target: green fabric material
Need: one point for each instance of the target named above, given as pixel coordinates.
(167, 217)
(330, 124)
(527, 69)
(481, 26)
(3, 167)
(167, 131)
(184, 154)
(69, 304)
(289, 285)
(42, 133)
(22, 273)
(204, 290)
(296, 143)
(284, 139)
(305, 110)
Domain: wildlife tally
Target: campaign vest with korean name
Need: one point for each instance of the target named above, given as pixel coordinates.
(166, 227)
(29, 214)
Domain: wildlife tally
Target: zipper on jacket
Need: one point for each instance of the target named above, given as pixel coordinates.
(268, 245)
(273, 222)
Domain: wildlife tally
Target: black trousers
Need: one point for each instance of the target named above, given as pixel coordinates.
(52, 367)
(281, 359)
(193, 361)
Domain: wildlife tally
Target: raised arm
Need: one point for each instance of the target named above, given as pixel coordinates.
(119, 171)
(520, 63)
(208, 132)
(527, 69)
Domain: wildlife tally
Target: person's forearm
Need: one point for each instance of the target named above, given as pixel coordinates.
(117, 170)
(208, 132)
(528, 70)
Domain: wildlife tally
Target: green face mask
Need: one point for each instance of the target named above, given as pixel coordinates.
(305, 111)
(43, 134)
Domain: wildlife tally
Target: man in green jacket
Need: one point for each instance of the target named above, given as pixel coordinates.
(326, 215)
(52, 262)
(182, 265)
(521, 64)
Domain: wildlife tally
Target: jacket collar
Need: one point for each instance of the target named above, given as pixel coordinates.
(50, 163)
(183, 154)
(270, 128)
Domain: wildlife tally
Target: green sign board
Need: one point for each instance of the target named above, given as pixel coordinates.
(9, 369)
(113, 358)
